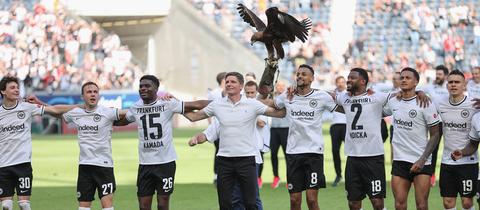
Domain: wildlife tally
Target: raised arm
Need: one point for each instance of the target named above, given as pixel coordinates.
(122, 118)
(432, 143)
(272, 112)
(58, 110)
(196, 105)
(196, 116)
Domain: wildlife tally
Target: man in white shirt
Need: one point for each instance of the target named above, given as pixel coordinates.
(411, 147)
(473, 85)
(16, 142)
(365, 168)
(236, 155)
(94, 125)
(157, 156)
(457, 177)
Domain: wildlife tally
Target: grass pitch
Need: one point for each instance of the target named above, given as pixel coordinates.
(55, 167)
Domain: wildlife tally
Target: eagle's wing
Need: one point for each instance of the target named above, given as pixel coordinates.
(249, 17)
(287, 26)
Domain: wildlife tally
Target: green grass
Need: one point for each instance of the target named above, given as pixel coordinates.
(55, 164)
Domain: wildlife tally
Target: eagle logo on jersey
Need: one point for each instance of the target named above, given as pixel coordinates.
(412, 113)
(21, 115)
(97, 118)
(313, 103)
(465, 113)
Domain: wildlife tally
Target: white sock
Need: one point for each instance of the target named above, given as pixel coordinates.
(454, 208)
(111, 208)
(24, 205)
(7, 204)
(83, 208)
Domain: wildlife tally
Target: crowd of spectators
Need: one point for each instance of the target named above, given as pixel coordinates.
(390, 34)
(54, 51)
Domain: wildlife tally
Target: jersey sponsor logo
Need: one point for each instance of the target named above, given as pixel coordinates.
(301, 113)
(313, 103)
(88, 128)
(403, 123)
(153, 109)
(455, 125)
(97, 118)
(21, 115)
(12, 128)
(412, 113)
(465, 113)
(152, 144)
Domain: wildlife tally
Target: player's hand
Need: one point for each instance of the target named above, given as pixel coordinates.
(417, 166)
(32, 99)
(193, 141)
(476, 103)
(422, 99)
(166, 97)
(291, 90)
(456, 155)
(370, 91)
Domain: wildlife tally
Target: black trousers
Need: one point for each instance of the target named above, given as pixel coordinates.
(260, 166)
(278, 137)
(383, 127)
(217, 144)
(241, 170)
(337, 133)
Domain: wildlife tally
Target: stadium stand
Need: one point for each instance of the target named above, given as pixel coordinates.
(56, 51)
(389, 35)
(314, 51)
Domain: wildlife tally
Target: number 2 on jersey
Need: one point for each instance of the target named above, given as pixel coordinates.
(151, 124)
(357, 108)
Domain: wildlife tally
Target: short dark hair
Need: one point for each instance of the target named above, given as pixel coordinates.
(237, 75)
(457, 72)
(251, 74)
(362, 72)
(89, 83)
(251, 83)
(415, 73)
(442, 68)
(339, 78)
(220, 77)
(152, 78)
(308, 67)
(5, 80)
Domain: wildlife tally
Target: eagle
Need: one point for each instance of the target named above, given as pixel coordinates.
(281, 28)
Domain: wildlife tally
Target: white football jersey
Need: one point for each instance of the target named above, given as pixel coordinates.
(457, 120)
(473, 89)
(155, 138)
(15, 133)
(436, 92)
(304, 112)
(263, 134)
(363, 137)
(94, 134)
(411, 125)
